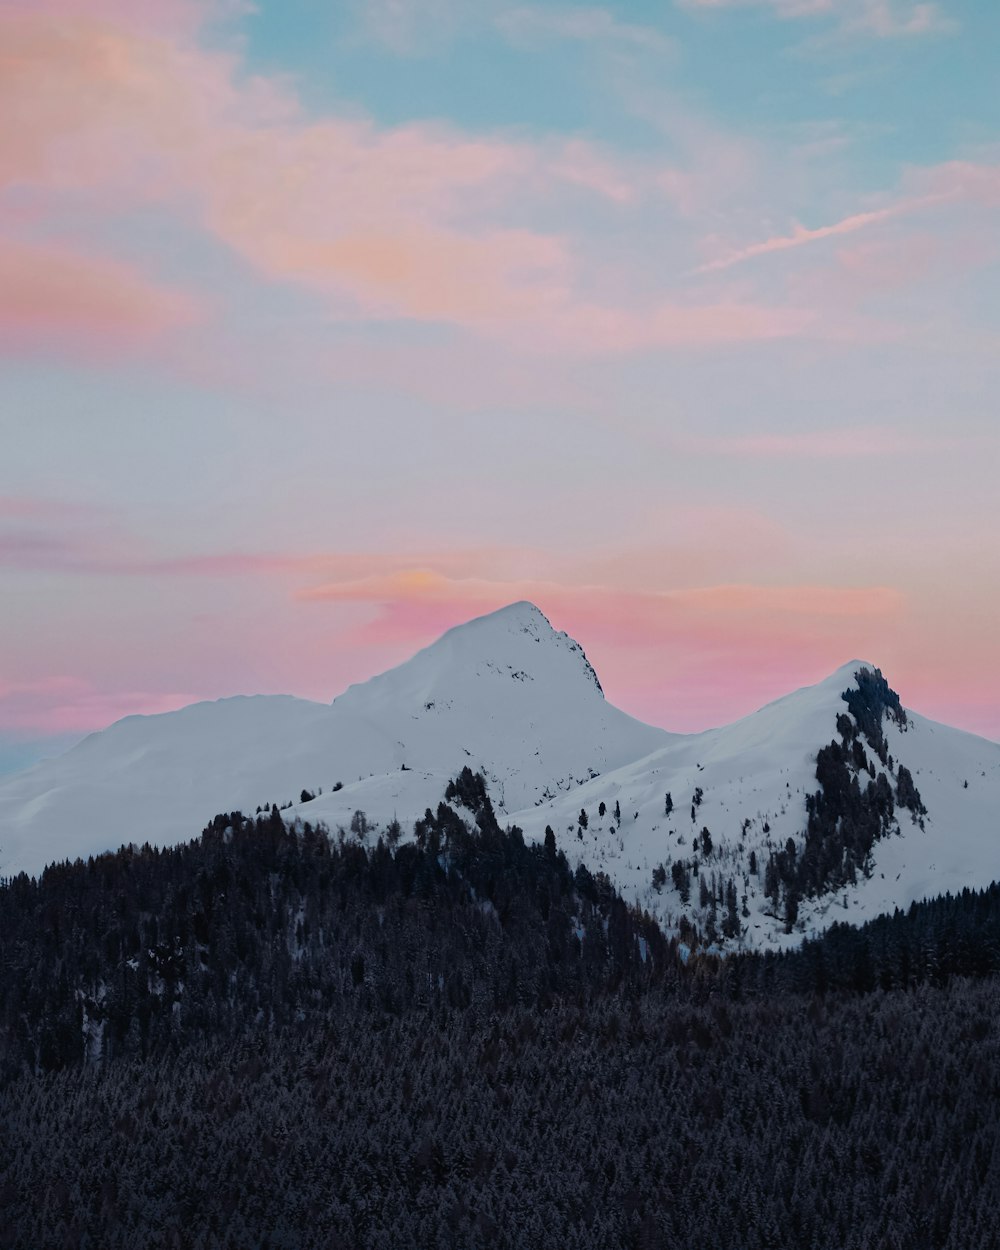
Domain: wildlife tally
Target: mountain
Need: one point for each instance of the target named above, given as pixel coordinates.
(459, 1041)
(831, 803)
(750, 784)
(506, 694)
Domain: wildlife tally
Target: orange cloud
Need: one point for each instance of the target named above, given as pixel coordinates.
(52, 293)
(637, 613)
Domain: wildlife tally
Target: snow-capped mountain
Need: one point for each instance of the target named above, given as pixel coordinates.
(749, 785)
(506, 694)
(831, 803)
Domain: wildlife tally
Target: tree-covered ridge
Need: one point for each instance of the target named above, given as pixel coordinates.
(854, 807)
(260, 922)
(870, 701)
(269, 1037)
(929, 943)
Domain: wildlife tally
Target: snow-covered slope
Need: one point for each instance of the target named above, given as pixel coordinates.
(505, 693)
(509, 696)
(754, 776)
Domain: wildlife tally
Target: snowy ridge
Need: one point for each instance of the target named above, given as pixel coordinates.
(504, 693)
(509, 696)
(754, 776)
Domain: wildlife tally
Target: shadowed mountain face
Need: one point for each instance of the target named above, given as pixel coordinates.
(831, 803)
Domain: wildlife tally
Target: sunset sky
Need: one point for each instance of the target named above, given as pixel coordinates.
(328, 324)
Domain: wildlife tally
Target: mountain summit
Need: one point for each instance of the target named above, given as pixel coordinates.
(504, 693)
(514, 643)
(833, 802)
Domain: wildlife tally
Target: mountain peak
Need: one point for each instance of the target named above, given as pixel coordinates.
(522, 610)
(512, 618)
(848, 672)
(514, 643)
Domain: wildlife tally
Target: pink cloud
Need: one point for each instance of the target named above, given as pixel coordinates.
(626, 613)
(682, 659)
(53, 294)
(975, 182)
(581, 164)
(45, 535)
(170, 18)
(386, 223)
(694, 324)
(67, 704)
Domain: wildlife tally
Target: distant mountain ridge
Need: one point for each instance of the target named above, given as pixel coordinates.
(751, 844)
(505, 693)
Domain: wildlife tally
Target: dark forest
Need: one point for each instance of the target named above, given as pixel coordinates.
(268, 1037)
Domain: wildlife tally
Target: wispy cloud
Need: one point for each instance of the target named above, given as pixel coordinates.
(888, 20)
(841, 443)
(408, 28)
(589, 25)
(94, 304)
(475, 594)
(417, 27)
(884, 19)
(402, 223)
(735, 643)
(802, 236)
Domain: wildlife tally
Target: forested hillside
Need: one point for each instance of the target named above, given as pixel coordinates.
(270, 1038)
(259, 923)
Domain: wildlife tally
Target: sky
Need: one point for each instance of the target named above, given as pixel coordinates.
(327, 326)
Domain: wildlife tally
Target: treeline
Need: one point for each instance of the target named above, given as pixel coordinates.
(266, 924)
(270, 1038)
(259, 922)
(930, 942)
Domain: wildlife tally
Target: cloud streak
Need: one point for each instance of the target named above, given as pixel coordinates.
(733, 644)
(883, 19)
(582, 24)
(842, 443)
(801, 236)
